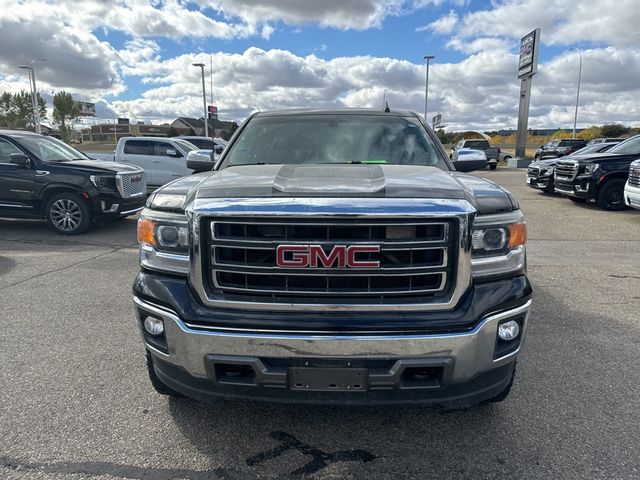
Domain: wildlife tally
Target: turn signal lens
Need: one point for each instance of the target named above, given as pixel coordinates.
(146, 229)
(517, 234)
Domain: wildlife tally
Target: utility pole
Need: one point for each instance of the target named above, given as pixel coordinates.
(204, 99)
(34, 93)
(575, 117)
(426, 86)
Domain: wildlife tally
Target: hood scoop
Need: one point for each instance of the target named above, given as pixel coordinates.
(325, 180)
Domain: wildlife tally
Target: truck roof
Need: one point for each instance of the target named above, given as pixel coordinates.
(338, 111)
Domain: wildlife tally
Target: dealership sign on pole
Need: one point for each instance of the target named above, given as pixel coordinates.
(87, 109)
(436, 121)
(527, 68)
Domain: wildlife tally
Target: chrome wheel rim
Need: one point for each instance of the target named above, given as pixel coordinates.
(65, 215)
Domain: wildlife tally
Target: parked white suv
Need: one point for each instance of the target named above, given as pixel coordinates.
(632, 187)
(163, 159)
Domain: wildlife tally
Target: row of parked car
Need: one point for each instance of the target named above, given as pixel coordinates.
(605, 171)
(42, 177)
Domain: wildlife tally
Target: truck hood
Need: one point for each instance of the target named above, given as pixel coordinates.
(357, 181)
(603, 157)
(99, 166)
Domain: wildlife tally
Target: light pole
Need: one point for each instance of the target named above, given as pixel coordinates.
(204, 99)
(426, 86)
(34, 92)
(575, 117)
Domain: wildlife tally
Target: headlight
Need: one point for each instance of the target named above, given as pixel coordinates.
(498, 244)
(164, 241)
(546, 171)
(103, 182)
(590, 168)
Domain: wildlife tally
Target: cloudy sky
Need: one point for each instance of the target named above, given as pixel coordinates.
(133, 57)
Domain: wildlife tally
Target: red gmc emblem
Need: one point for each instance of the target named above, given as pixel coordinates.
(314, 256)
(135, 179)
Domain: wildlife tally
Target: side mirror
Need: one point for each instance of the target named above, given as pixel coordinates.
(172, 152)
(20, 160)
(219, 150)
(200, 160)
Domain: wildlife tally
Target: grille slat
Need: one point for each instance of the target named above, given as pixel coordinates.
(415, 258)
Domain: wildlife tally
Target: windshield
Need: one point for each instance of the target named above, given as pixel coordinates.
(596, 147)
(49, 149)
(338, 138)
(628, 147)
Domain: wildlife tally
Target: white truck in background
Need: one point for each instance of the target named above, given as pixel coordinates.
(163, 159)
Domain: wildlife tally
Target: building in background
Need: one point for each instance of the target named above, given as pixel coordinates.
(217, 128)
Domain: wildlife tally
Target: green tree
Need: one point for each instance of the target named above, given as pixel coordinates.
(65, 112)
(172, 132)
(612, 130)
(16, 110)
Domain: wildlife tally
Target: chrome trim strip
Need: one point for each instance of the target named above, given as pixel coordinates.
(344, 208)
(13, 205)
(443, 282)
(241, 268)
(135, 210)
(163, 261)
(275, 242)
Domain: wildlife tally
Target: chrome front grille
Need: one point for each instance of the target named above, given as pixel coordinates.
(415, 258)
(566, 169)
(634, 176)
(533, 172)
(131, 184)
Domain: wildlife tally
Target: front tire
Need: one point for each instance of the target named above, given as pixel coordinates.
(493, 166)
(68, 214)
(611, 195)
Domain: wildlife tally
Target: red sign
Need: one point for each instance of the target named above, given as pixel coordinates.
(314, 256)
(212, 109)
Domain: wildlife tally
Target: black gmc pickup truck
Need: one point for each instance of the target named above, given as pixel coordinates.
(598, 177)
(364, 270)
(42, 177)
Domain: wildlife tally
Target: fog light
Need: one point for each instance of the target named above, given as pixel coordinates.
(508, 331)
(153, 326)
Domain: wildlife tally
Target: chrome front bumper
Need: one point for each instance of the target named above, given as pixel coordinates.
(472, 352)
(632, 196)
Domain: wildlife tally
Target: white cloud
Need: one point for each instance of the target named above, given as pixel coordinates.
(444, 25)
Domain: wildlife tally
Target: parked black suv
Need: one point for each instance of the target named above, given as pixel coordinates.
(559, 148)
(540, 173)
(42, 177)
(600, 177)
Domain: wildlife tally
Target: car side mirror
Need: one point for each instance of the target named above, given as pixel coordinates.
(172, 152)
(200, 160)
(20, 160)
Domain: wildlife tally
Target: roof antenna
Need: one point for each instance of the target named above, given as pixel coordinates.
(386, 107)
(385, 103)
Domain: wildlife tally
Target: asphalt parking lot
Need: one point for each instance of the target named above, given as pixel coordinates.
(75, 401)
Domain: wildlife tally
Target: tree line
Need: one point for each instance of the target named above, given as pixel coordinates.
(16, 111)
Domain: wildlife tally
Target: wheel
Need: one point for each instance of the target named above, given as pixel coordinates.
(506, 158)
(67, 213)
(504, 393)
(158, 386)
(493, 166)
(611, 195)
